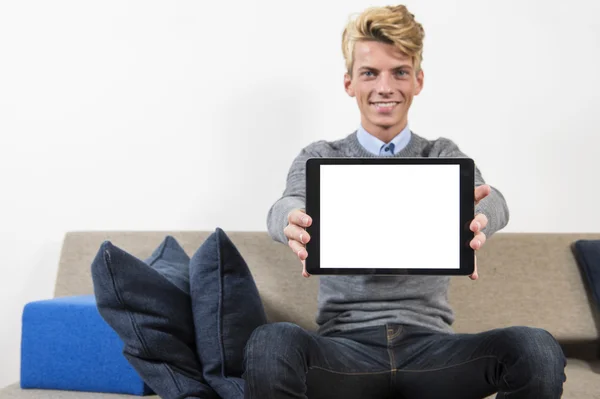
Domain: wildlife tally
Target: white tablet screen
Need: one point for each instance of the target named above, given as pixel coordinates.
(390, 216)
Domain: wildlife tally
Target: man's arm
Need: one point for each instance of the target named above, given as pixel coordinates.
(294, 196)
(493, 206)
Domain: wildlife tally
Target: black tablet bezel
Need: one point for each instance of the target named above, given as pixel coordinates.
(467, 209)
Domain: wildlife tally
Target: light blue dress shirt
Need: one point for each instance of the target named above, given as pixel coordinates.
(378, 147)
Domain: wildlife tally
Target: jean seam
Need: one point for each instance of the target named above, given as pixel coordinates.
(454, 365)
(347, 373)
(392, 359)
(248, 354)
(397, 333)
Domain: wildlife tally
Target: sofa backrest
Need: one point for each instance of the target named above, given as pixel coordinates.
(525, 279)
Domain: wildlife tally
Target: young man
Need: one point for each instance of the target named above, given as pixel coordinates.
(381, 336)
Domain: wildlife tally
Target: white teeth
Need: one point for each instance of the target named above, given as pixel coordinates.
(385, 104)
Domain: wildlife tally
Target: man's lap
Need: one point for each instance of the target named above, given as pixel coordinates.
(406, 361)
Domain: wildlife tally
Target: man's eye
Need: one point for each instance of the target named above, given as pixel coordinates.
(367, 73)
(401, 73)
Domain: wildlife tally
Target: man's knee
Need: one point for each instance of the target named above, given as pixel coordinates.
(276, 360)
(536, 344)
(271, 343)
(537, 355)
(277, 334)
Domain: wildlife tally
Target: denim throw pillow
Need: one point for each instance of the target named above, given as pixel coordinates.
(148, 306)
(227, 308)
(587, 255)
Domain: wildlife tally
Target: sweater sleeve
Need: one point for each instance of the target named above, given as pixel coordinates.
(493, 206)
(294, 196)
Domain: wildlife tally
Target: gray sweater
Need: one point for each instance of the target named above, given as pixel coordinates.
(349, 302)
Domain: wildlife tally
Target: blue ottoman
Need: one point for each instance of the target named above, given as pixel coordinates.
(66, 345)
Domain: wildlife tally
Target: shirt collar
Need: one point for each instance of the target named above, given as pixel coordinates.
(376, 146)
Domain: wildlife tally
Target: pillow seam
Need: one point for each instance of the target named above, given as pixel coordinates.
(163, 245)
(133, 323)
(220, 311)
(220, 319)
(122, 303)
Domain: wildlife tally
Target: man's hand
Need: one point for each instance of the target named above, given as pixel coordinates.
(298, 220)
(479, 224)
(297, 236)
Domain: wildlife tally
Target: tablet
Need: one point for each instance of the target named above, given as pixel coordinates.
(390, 215)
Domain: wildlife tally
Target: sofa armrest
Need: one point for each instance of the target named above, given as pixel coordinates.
(66, 345)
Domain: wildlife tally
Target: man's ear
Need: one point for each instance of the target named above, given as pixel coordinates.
(348, 85)
(420, 78)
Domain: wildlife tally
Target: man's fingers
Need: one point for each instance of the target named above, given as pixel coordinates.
(293, 232)
(298, 249)
(474, 276)
(481, 192)
(478, 241)
(297, 235)
(479, 223)
(304, 272)
(299, 217)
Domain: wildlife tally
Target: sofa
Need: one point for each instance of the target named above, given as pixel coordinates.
(525, 279)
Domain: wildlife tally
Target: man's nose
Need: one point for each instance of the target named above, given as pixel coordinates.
(384, 85)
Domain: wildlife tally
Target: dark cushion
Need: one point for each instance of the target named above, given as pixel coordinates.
(148, 306)
(170, 260)
(227, 308)
(587, 254)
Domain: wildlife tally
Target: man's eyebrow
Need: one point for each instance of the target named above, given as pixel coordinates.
(368, 68)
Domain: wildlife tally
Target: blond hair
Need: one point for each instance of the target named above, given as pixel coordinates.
(390, 24)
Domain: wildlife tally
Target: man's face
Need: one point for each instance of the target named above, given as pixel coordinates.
(384, 82)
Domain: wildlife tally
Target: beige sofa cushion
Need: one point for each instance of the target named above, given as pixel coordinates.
(525, 279)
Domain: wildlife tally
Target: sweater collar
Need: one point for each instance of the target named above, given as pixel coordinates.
(376, 146)
(414, 148)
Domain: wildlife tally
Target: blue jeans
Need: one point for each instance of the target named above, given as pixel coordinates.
(393, 361)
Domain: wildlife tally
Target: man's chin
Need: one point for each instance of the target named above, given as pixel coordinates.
(386, 123)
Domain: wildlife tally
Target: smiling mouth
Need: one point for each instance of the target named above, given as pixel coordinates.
(384, 106)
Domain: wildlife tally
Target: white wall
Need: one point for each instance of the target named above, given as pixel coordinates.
(141, 115)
